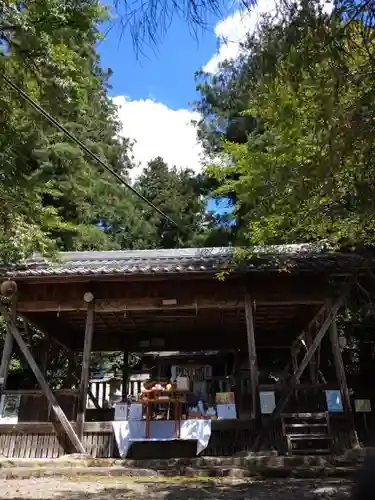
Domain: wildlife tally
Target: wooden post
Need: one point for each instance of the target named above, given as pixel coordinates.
(71, 378)
(294, 351)
(254, 375)
(236, 382)
(44, 353)
(7, 350)
(125, 376)
(85, 372)
(42, 381)
(341, 377)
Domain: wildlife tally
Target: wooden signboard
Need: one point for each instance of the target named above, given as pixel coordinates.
(193, 372)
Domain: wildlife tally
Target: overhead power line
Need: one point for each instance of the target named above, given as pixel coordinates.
(79, 143)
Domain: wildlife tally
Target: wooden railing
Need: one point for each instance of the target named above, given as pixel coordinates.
(228, 438)
(34, 407)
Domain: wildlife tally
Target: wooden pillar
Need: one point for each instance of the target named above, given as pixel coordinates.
(7, 349)
(341, 377)
(236, 382)
(253, 365)
(125, 376)
(85, 371)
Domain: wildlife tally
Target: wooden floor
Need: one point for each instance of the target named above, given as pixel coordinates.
(46, 440)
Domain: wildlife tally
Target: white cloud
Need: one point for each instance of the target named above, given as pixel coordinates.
(160, 131)
(232, 30)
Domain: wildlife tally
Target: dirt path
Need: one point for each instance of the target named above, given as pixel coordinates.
(129, 489)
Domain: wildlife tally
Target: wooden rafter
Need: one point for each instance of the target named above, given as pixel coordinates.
(324, 318)
(42, 381)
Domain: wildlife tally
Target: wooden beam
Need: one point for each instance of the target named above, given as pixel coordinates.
(341, 377)
(39, 392)
(317, 357)
(77, 445)
(329, 315)
(150, 304)
(7, 350)
(312, 365)
(294, 352)
(85, 371)
(125, 375)
(253, 364)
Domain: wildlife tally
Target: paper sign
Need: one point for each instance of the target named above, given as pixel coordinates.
(121, 411)
(9, 406)
(362, 405)
(334, 403)
(226, 411)
(267, 402)
(135, 411)
(225, 398)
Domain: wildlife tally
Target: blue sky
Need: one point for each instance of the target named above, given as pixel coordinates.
(153, 91)
(164, 73)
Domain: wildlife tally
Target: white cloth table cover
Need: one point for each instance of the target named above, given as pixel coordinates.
(129, 431)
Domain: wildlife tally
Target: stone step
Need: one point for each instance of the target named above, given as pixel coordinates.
(189, 472)
(71, 461)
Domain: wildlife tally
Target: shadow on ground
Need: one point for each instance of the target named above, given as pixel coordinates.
(127, 489)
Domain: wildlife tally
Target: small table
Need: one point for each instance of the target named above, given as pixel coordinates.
(157, 396)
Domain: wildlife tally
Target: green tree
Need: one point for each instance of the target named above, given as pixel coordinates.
(306, 172)
(178, 193)
(52, 196)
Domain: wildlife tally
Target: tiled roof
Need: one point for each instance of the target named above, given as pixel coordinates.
(171, 261)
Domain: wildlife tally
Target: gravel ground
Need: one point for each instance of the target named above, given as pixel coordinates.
(107, 488)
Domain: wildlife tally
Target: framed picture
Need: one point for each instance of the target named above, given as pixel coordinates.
(334, 402)
(225, 398)
(9, 407)
(267, 402)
